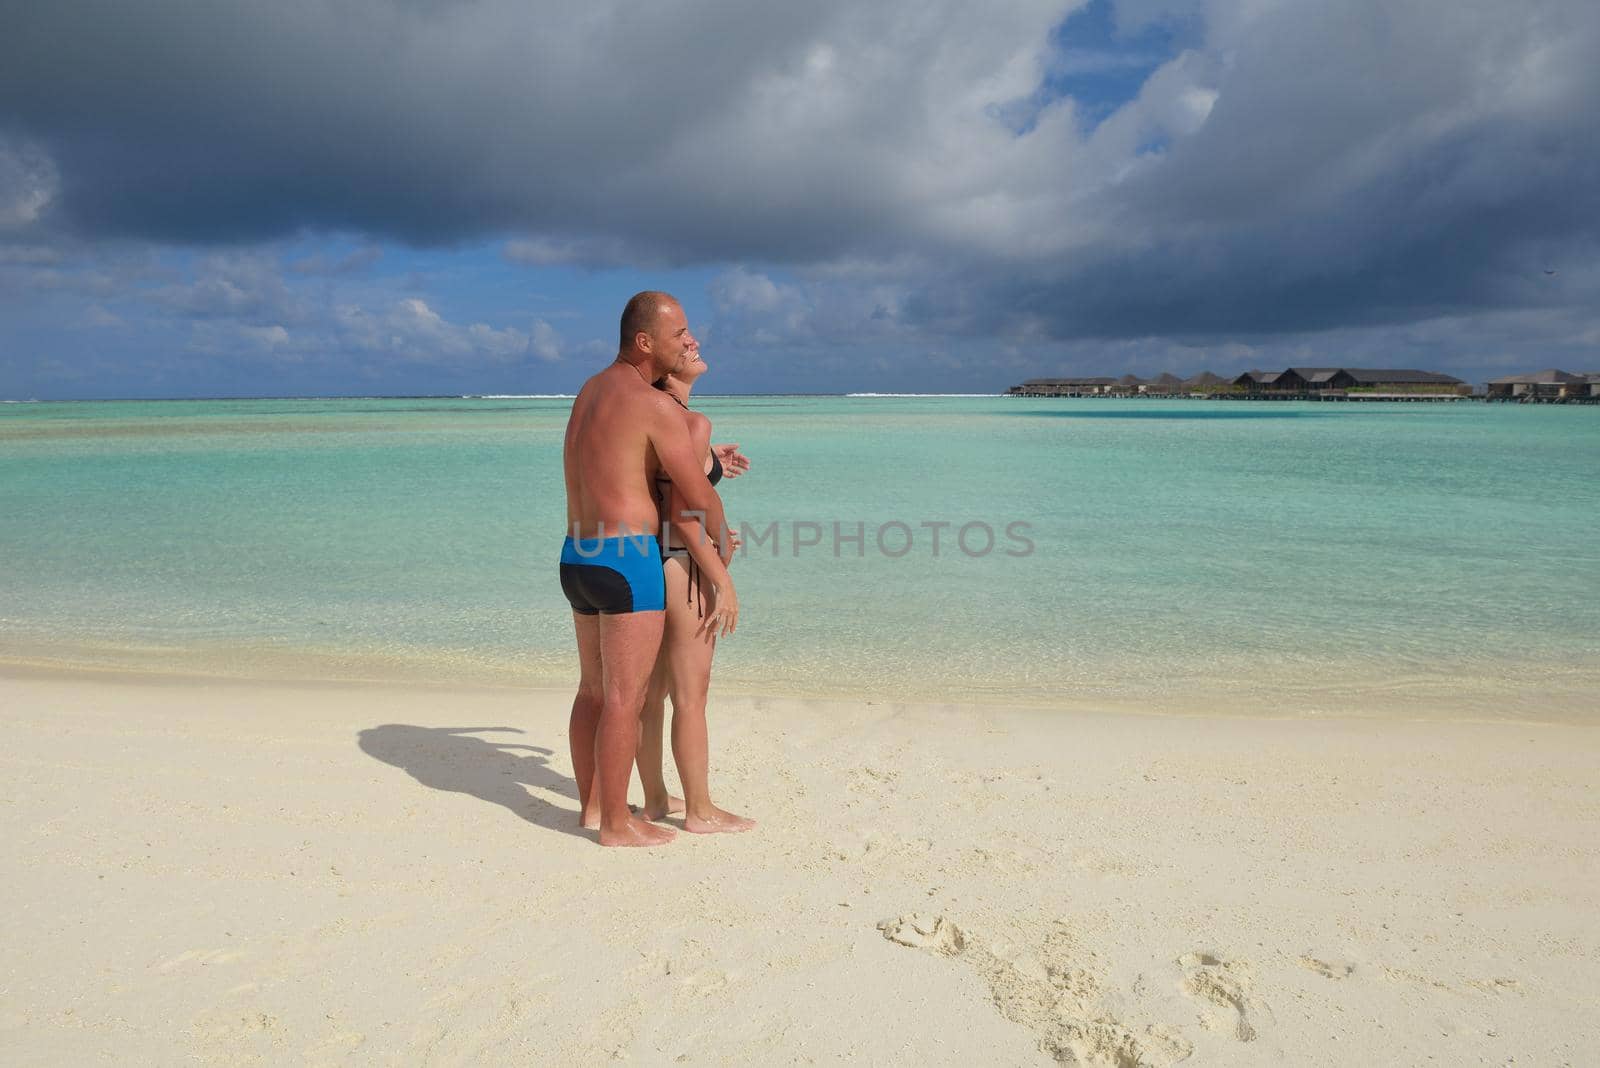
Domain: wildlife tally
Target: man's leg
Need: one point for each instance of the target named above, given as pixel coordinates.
(586, 717)
(629, 643)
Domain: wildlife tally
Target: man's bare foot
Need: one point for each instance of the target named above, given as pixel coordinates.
(717, 822)
(655, 811)
(636, 832)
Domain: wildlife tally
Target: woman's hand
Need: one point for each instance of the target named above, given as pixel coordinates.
(734, 463)
(722, 611)
(729, 543)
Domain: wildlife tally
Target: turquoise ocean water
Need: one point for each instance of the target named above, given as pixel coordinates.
(1281, 558)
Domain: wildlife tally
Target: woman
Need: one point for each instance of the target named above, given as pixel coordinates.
(683, 666)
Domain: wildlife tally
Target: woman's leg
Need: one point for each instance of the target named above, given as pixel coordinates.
(689, 656)
(652, 721)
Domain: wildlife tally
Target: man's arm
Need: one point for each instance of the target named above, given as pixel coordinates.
(700, 439)
(681, 463)
(695, 509)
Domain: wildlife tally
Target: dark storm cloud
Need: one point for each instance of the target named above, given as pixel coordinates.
(1360, 164)
(220, 122)
(1303, 166)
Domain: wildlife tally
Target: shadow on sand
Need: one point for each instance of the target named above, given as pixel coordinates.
(449, 758)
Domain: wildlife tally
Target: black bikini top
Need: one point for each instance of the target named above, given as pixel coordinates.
(713, 476)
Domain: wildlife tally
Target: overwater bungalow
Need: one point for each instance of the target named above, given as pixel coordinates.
(1206, 383)
(1302, 383)
(1401, 382)
(1259, 381)
(1327, 383)
(1062, 387)
(1165, 384)
(1549, 386)
(1315, 379)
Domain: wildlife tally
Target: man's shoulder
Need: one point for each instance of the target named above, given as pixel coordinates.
(629, 393)
(656, 402)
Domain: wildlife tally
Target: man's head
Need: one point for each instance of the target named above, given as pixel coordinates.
(655, 331)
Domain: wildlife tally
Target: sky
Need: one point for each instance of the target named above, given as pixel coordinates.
(366, 197)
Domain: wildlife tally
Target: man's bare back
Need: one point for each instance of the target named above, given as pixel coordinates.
(608, 459)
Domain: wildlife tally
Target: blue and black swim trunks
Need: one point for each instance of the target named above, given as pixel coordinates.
(612, 576)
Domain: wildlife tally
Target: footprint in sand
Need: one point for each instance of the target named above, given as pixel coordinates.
(879, 845)
(1055, 993)
(1327, 969)
(1496, 986)
(705, 982)
(874, 783)
(199, 957)
(1104, 862)
(1225, 985)
(1400, 975)
(932, 933)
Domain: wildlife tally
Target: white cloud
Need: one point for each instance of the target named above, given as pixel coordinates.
(265, 337)
(100, 317)
(410, 330)
(30, 256)
(741, 291)
(236, 341)
(545, 343)
(245, 285)
(29, 182)
(329, 264)
(751, 308)
(549, 251)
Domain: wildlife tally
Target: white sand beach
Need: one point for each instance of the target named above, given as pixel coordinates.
(236, 873)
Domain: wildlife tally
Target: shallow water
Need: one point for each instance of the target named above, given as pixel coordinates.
(1295, 558)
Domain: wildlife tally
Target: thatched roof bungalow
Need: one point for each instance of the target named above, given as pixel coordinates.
(1549, 384)
(1258, 381)
(1398, 380)
(1164, 384)
(1206, 382)
(1369, 379)
(1316, 379)
(1062, 387)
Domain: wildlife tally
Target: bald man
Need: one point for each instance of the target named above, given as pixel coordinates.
(621, 434)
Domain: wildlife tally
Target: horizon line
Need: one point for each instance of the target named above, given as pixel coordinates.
(431, 396)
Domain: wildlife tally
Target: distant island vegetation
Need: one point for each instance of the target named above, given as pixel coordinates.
(1327, 384)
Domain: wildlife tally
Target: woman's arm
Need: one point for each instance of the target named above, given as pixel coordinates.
(734, 462)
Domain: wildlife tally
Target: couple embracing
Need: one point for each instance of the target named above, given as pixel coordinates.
(645, 568)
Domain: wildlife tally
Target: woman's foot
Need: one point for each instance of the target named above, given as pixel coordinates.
(636, 832)
(716, 821)
(657, 810)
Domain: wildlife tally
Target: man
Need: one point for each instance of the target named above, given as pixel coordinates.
(621, 435)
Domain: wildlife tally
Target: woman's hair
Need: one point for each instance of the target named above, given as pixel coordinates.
(661, 383)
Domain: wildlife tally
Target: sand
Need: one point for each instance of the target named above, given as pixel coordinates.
(234, 873)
